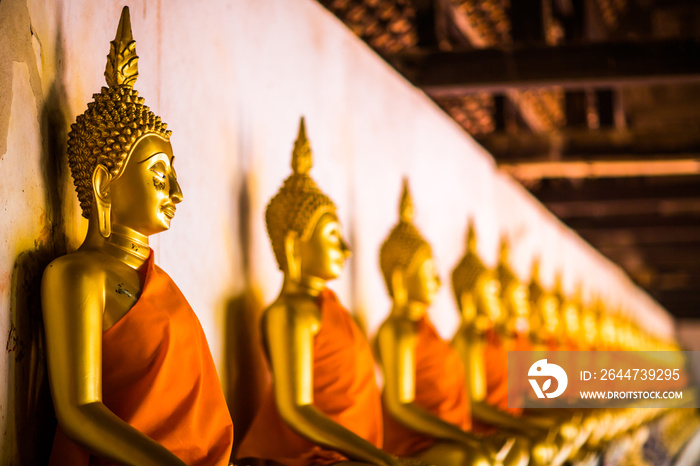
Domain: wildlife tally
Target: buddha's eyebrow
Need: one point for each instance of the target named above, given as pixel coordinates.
(151, 156)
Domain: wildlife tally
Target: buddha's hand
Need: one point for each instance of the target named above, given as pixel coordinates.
(569, 430)
(543, 453)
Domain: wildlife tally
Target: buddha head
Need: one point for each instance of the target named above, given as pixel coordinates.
(406, 259)
(589, 322)
(607, 329)
(476, 288)
(119, 151)
(303, 225)
(571, 313)
(544, 321)
(514, 295)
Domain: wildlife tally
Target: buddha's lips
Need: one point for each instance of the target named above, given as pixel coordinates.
(169, 211)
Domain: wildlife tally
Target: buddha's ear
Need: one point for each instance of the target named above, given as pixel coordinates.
(398, 287)
(101, 179)
(292, 254)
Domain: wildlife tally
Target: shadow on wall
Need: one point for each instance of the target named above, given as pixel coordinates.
(245, 375)
(31, 413)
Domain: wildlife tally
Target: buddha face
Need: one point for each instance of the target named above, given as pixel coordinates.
(324, 254)
(571, 320)
(144, 196)
(488, 301)
(517, 296)
(590, 330)
(550, 315)
(422, 282)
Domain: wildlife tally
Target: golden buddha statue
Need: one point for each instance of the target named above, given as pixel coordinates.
(131, 374)
(589, 323)
(479, 342)
(515, 297)
(426, 404)
(570, 318)
(544, 319)
(324, 406)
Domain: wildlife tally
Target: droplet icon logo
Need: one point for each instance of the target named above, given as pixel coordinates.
(541, 369)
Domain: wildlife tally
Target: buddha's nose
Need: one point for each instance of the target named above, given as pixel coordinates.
(175, 190)
(345, 248)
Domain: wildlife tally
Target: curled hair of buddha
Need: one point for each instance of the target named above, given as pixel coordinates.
(299, 203)
(468, 271)
(112, 124)
(403, 244)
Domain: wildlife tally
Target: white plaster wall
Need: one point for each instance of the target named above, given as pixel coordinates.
(232, 78)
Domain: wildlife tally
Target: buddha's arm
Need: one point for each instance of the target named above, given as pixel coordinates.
(530, 427)
(73, 303)
(397, 354)
(290, 347)
(472, 355)
(470, 348)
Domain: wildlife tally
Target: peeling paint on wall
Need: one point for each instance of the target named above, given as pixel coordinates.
(18, 46)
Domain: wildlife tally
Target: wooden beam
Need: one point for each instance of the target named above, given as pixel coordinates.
(581, 143)
(626, 207)
(632, 221)
(663, 256)
(680, 303)
(676, 187)
(621, 237)
(568, 66)
(576, 169)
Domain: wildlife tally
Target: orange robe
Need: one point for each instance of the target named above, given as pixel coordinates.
(439, 389)
(158, 375)
(496, 356)
(345, 390)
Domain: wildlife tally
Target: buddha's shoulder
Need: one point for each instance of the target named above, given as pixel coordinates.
(397, 327)
(291, 309)
(81, 264)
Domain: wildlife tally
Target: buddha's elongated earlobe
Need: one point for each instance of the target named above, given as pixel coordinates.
(398, 288)
(103, 199)
(293, 257)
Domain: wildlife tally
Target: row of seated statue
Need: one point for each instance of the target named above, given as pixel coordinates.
(133, 381)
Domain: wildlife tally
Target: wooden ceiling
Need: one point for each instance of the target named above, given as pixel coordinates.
(594, 105)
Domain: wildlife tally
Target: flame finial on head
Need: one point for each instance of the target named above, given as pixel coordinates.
(471, 236)
(122, 62)
(406, 204)
(535, 276)
(302, 156)
(504, 252)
